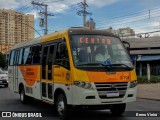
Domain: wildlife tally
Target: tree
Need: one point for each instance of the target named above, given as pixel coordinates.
(2, 60)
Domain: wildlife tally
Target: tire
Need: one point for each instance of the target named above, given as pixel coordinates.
(23, 97)
(118, 109)
(61, 106)
(6, 85)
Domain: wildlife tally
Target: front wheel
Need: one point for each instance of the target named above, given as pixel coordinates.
(6, 85)
(61, 106)
(118, 109)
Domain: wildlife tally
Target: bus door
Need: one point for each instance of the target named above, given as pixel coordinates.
(47, 72)
(62, 71)
(15, 71)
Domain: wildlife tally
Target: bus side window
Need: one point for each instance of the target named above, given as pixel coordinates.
(16, 58)
(63, 51)
(27, 56)
(36, 54)
(62, 55)
(20, 61)
(12, 57)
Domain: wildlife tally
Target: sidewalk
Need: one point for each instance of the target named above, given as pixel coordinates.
(149, 91)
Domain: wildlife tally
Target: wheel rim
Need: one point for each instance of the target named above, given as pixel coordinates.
(22, 96)
(60, 107)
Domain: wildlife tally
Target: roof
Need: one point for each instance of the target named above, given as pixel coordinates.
(59, 34)
(26, 43)
(44, 38)
(148, 58)
(88, 31)
(144, 42)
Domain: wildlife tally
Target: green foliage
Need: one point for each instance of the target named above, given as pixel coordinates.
(2, 60)
(143, 79)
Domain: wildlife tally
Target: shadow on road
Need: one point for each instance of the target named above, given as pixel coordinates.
(48, 111)
(10, 101)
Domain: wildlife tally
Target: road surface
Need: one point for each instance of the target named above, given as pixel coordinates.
(9, 101)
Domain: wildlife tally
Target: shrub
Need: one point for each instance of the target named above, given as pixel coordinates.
(143, 79)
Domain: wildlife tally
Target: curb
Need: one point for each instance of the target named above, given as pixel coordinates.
(148, 98)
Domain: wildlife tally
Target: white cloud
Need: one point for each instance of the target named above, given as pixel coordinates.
(101, 3)
(35, 13)
(61, 6)
(10, 4)
(58, 8)
(53, 5)
(155, 23)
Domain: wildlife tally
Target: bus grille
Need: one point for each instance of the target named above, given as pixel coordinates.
(104, 88)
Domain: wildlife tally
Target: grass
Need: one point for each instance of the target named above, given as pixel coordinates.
(143, 79)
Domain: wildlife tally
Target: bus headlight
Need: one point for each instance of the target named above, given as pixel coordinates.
(133, 84)
(83, 84)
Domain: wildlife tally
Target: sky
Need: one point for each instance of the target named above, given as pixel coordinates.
(140, 15)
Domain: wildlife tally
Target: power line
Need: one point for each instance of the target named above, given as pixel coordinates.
(121, 18)
(131, 14)
(52, 1)
(23, 7)
(32, 8)
(129, 20)
(120, 21)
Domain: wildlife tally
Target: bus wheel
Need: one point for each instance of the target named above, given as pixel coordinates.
(118, 109)
(61, 106)
(23, 97)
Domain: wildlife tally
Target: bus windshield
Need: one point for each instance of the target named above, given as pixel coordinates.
(98, 50)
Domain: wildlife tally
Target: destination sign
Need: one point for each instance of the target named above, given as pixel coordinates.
(93, 40)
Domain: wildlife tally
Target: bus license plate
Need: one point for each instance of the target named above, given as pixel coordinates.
(113, 94)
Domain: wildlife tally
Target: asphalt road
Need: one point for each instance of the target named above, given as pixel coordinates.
(9, 101)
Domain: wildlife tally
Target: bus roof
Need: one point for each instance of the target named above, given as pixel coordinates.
(40, 39)
(60, 34)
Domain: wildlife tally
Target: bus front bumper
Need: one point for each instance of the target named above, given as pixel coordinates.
(83, 96)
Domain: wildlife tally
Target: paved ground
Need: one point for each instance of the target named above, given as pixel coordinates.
(149, 91)
(9, 101)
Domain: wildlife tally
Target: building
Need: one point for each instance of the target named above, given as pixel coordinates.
(15, 27)
(91, 24)
(145, 53)
(124, 33)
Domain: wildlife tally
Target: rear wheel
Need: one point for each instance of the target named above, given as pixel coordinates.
(61, 106)
(23, 97)
(118, 109)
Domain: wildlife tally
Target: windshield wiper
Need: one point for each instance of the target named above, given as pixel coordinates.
(124, 65)
(109, 66)
(96, 65)
(90, 64)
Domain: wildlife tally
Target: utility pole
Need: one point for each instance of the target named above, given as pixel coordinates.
(45, 13)
(84, 14)
(84, 6)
